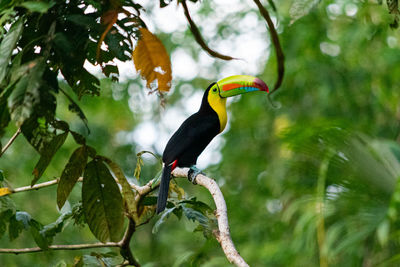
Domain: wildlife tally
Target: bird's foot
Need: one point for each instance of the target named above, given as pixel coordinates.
(192, 174)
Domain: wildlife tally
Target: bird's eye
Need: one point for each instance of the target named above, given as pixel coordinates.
(215, 89)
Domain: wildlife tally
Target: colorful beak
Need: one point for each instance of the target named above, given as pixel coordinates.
(240, 84)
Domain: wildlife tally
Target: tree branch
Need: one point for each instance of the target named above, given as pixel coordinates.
(275, 40)
(124, 244)
(223, 234)
(198, 37)
(10, 142)
(59, 247)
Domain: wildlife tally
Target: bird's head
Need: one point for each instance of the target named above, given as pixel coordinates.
(216, 94)
(236, 85)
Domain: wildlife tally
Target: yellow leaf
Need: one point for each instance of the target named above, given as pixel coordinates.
(178, 190)
(5, 191)
(152, 61)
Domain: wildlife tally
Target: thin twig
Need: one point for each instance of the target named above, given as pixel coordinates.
(59, 247)
(10, 141)
(223, 234)
(35, 187)
(198, 37)
(275, 40)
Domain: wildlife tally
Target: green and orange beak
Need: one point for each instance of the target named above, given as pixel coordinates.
(240, 84)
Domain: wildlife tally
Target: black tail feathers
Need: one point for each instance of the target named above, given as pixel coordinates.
(164, 187)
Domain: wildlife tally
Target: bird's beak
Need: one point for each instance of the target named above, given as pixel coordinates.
(240, 84)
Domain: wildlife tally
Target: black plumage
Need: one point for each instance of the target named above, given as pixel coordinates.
(187, 143)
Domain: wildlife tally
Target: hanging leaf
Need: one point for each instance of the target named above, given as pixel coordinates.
(47, 154)
(7, 46)
(300, 8)
(74, 107)
(140, 162)
(72, 171)
(108, 19)
(18, 222)
(152, 61)
(127, 193)
(5, 191)
(393, 7)
(26, 94)
(36, 231)
(7, 210)
(164, 216)
(102, 202)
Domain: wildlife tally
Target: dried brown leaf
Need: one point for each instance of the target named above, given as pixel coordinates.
(152, 61)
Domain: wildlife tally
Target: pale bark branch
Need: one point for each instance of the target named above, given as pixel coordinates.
(12, 139)
(59, 247)
(223, 234)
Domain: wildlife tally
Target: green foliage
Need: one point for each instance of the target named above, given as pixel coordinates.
(102, 202)
(194, 210)
(72, 171)
(7, 45)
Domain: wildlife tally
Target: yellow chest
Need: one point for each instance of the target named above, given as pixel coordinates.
(218, 104)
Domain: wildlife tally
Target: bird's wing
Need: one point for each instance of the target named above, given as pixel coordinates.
(191, 132)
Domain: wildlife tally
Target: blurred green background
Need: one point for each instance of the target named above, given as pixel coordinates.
(311, 180)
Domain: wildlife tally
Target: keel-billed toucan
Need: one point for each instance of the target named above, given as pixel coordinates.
(197, 131)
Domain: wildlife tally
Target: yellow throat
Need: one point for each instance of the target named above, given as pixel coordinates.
(218, 104)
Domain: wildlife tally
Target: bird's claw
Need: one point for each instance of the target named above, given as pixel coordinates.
(192, 174)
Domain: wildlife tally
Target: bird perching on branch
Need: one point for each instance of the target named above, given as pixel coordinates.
(197, 131)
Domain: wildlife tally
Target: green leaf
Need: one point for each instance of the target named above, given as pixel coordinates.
(300, 8)
(74, 107)
(72, 171)
(49, 231)
(18, 222)
(47, 154)
(77, 214)
(111, 71)
(164, 3)
(4, 112)
(164, 216)
(78, 261)
(206, 225)
(148, 201)
(38, 6)
(127, 192)
(79, 139)
(26, 94)
(102, 259)
(198, 205)
(7, 46)
(39, 238)
(195, 215)
(3, 227)
(140, 163)
(102, 202)
(7, 209)
(22, 101)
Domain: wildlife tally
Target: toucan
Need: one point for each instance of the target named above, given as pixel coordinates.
(197, 131)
